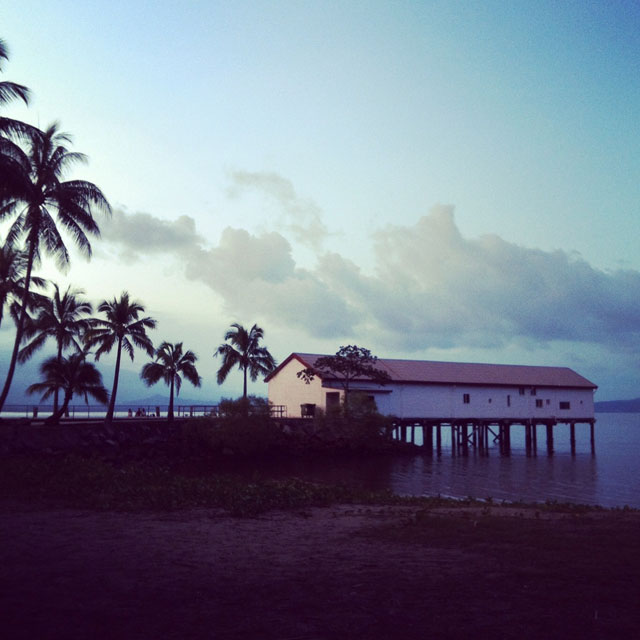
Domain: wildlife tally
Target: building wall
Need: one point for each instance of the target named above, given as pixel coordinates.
(440, 401)
(448, 401)
(287, 389)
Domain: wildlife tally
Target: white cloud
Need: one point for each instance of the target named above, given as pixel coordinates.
(302, 217)
(431, 287)
(138, 234)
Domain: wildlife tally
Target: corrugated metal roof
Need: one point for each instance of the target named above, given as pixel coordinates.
(429, 371)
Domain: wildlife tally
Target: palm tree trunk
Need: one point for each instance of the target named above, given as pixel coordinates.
(114, 391)
(19, 328)
(54, 418)
(170, 415)
(57, 391)
(244, 393)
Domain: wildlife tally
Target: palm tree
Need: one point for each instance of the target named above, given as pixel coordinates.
(123, 327)
(242, 349)
(10, 90)
(13, 263)
(63, 318)
(75, 376)
(32, 206)
(13, 161)
(169, 363)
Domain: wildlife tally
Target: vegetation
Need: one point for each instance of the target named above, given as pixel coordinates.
(13, 265)
(242, 349)
(123, 328)
(170, 362)
(39, 202)
(74, 376)
(349, 364)
(63, 318)
(93, 483)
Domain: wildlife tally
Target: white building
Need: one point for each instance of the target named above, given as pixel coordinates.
(444, 391)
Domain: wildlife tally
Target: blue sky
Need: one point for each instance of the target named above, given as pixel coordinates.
(428, 179)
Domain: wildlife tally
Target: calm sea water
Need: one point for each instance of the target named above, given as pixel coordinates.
(609, 478)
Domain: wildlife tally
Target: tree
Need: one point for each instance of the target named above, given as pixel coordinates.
(169, 363)
(41, 194)
(10, 90)
(74, 375)
(349, 364)
(13, 161)
(63, 318)
(13, 264)
(242, 349)
(124, 328)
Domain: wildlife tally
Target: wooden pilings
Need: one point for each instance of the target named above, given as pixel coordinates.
(473, 435)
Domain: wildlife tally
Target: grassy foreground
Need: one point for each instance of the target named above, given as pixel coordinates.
(426, 567)
(81, 482)
(74, 481)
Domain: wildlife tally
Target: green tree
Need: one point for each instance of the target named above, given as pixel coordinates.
(13, 264)
(74, 375)
(349, 364)
(242, 349)
(63, 318)
(170, 361)
(32, 207)
(123, 328)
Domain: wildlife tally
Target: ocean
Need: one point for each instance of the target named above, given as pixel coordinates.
(610, 477)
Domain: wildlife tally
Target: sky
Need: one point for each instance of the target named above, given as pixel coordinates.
(429, 180)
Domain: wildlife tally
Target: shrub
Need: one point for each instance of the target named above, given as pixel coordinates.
(359, 427)
(233, 433)
(251, 405)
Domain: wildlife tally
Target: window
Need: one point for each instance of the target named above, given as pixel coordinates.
(548, 401)
(466, 398)
(508, 401)
(521, 391)
(539, 404)
(565, 405)
(533, 391)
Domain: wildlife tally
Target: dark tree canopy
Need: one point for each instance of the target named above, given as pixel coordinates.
(348, 364)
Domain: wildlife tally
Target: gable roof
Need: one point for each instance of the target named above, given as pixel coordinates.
(433, 372)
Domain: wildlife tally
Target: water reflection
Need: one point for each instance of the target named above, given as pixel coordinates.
(610, 478)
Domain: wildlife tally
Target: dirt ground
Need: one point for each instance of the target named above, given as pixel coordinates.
(339, 572)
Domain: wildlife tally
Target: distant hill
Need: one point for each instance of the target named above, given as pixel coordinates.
(163, 400)
(618, 406)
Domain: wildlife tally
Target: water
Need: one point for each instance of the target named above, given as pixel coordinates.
(609, 478)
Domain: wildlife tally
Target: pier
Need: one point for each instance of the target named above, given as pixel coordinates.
(471, 435)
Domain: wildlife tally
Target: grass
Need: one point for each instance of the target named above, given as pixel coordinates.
(90, 482)
(74, 481)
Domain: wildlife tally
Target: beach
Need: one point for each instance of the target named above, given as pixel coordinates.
(330, 572)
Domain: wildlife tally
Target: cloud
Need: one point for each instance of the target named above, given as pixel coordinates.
(137, 234)
(431, 287)
(303, 218)
(257, 275)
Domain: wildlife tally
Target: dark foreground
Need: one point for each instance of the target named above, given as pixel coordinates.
(330, 572)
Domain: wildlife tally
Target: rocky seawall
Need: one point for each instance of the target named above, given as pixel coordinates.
(24, 436)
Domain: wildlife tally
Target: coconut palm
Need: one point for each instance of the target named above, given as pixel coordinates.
(13, 264)
(10, 91)
(170, 361)
(32, 207)
(63, 318)
(123, 328)
(14, 163)
(74, 375)
(242, 349)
